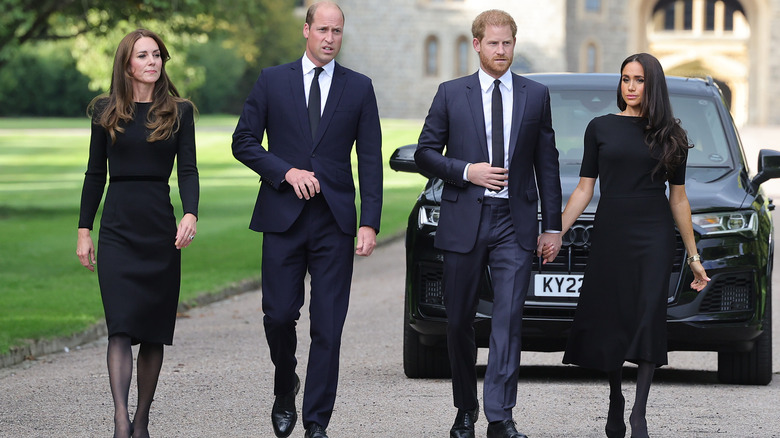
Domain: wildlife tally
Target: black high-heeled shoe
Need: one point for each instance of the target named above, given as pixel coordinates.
(616, 425)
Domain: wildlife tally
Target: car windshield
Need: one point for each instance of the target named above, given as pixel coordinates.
(572, 110)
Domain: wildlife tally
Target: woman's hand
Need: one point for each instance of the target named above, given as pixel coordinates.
(85, 249)
(187, 230)
(700, 276)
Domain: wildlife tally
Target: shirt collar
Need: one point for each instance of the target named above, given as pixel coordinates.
(486, 81)
(308, 66)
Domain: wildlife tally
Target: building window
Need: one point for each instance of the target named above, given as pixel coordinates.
(591, 58)
(431, 56)
(679, 15)
(593, 5)
(462, 50)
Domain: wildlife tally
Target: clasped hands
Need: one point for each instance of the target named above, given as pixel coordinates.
(303, 182)
(485, 175)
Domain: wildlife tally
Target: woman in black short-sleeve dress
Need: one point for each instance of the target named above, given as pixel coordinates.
(138, 131)
(621, 314)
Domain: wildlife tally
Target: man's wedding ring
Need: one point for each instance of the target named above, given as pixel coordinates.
(191, 237)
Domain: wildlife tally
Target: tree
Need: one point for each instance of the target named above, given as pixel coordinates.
(25, 21)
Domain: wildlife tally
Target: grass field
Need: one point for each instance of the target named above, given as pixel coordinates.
(44, 290)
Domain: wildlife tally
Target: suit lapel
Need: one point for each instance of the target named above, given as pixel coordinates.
(518, 110)
(298, 95)
(474, 98)
(337, 86)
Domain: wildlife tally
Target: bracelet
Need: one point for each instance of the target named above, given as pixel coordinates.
(693, 258)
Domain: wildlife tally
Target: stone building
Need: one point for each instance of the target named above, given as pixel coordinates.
(408, 47)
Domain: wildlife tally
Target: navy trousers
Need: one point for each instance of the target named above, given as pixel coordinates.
(510, 270)
(316, 244)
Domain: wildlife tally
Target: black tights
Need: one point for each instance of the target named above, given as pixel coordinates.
(615, 424)
(120, 372)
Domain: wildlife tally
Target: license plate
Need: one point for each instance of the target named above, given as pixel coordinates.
(557, 285)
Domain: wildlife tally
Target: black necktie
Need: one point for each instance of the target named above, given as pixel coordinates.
(314, 102)
(498, 126)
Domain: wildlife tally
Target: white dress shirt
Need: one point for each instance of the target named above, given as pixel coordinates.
(325, 79)
(507, 100)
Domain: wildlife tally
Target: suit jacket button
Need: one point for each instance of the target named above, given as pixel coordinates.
(479, 200)
(313, 155)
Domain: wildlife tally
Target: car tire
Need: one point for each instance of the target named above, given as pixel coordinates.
(755, 366)
(423, 361)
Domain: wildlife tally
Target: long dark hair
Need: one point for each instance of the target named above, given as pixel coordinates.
(163, 116)
(663, 134)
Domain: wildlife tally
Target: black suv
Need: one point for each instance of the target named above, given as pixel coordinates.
(731, 220)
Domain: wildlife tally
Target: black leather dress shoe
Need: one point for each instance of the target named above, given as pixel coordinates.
(464, 424)
(315, 431)
(503, 429)
(283, 414)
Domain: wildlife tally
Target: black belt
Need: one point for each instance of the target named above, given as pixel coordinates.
(490, 200)
(126, 178)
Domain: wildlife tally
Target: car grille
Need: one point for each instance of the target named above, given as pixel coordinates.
(429, 279)
(571, 259)
(573, 256)
(729, 293)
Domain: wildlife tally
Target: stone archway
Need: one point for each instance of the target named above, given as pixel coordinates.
(718, 38)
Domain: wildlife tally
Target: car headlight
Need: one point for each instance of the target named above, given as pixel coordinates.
(428, 215)
(742, 222)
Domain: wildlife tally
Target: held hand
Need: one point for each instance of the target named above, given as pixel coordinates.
(186, 231)
(483, 174)
(700, 276)
(366, 241)
(304, 183)
(85, 249)
(547, 246)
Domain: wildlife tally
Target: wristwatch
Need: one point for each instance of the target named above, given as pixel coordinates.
(693, 258)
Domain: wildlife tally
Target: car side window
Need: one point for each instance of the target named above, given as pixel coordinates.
(699, 117)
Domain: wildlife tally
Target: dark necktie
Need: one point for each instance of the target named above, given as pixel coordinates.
(314, 102)
(498, 126)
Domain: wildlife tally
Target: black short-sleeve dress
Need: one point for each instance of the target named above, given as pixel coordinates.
(621, 314)
(138, 265)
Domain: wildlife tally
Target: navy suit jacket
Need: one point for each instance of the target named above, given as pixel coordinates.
(456, 122)
(277, 108)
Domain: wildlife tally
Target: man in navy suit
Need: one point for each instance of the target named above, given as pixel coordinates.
(500, 160)
(311, 111)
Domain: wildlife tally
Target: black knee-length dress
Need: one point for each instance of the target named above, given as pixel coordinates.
(621, 313)
(138, 265)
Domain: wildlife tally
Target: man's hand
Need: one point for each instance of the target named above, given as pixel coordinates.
(366, 241)
(483, 174)
(304, 183)
(548, 245)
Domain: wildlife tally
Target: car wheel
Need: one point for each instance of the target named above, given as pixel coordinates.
(755, 366)
(423, 361)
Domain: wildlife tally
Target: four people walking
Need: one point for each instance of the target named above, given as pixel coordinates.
(488, 136)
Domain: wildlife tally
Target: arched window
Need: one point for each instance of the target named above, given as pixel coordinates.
(462, 51)
(591, 58)
(593, 5)
(431, 56)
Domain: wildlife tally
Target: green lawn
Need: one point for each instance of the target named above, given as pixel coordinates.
(44, 290)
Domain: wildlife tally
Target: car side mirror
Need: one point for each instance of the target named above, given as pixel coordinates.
(768, 167)
(402, 160)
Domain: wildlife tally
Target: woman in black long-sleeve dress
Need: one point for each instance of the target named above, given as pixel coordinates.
(138, 131)
(621, 314)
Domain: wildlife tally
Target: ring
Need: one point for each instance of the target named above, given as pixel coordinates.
(191, 237)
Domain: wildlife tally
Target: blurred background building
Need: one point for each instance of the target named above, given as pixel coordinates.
(408, 47)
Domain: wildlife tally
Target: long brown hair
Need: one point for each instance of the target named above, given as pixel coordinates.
(118, 107)
(663, 133)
